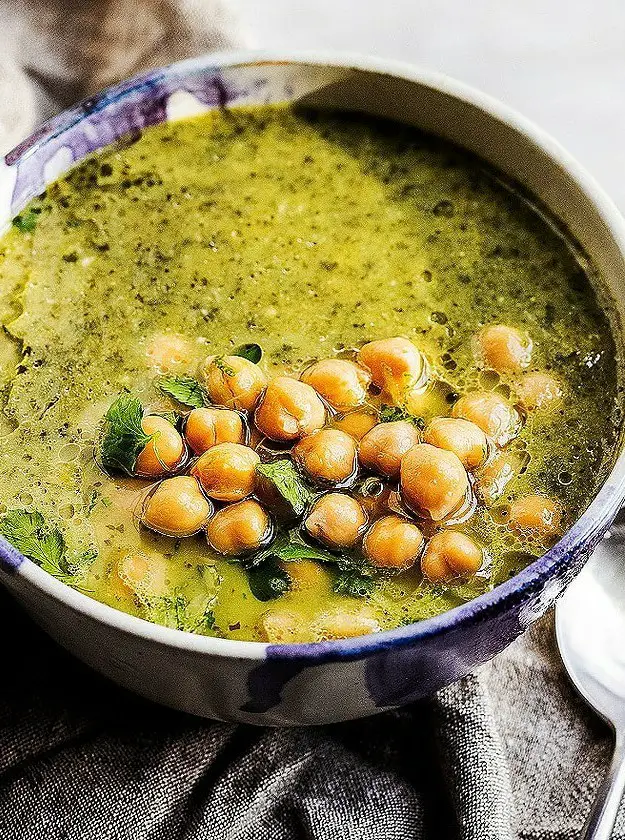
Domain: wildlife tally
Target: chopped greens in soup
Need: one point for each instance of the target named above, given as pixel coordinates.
(291, 376)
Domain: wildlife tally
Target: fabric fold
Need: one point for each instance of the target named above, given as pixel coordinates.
(474, 755)
(507, 753)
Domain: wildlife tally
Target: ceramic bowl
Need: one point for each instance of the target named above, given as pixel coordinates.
(327, 681)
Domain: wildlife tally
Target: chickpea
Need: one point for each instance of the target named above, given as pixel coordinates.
(345, 623)
(167, 351)
(382, 449)
(206, 427)
(388, 359)
(494, 415)
(535, 515)
(336, 520)
(393, 543)
(494, 477)
(327, 456)
(356, 423)
(289, 409)
(164, 452)
(397, 367)
(306, 574)
(433, 481)
(539, 391)
(227, 471)
(239, 528)
(461, 437)
(116, 585)
(504, 349)
(233, 381)
(177, 508)
(279, 627)
(341, 383)
(141, 574)
(449, 555)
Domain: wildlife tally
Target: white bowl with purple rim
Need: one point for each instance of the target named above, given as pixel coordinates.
(330, 681)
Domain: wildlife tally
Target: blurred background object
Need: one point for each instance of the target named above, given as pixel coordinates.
(70, 50)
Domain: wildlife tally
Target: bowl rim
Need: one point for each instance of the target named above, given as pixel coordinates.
(593, 521)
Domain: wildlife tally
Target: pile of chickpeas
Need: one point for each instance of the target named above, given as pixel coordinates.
(430, 478)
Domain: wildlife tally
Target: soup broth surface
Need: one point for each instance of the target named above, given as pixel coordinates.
(308, 234)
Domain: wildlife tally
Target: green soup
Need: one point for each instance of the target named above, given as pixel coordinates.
(309, 235)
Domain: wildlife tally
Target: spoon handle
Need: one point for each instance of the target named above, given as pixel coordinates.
(603, 815)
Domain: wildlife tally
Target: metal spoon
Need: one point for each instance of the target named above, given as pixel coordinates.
(590, 628)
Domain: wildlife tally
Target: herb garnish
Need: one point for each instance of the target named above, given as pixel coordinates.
(44, 544)
(268, 578)
(251, 352)
(95, 499)
(391, 413)
(184, 389)
(268, 581)
(290, 546)
(180, 612)
(123, 437)
(351, 582)
(26, 222)
(280, 486)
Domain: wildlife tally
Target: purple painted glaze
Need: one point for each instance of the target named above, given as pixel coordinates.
(403, 665)
(10, 558)
(101, 120)
(266, 682)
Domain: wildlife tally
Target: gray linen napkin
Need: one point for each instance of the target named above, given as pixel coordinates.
(509, 752)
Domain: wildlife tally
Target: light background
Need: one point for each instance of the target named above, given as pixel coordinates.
(560, 62)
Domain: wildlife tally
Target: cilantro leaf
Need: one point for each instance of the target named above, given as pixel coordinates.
(251, 352)
(27, 531)
(124, 437)
(26, 222)
(44, 544)
(291, 546)
(93, 501)
(193, 615)
(96, 499)
(268, 581)
(81, 559)
(279, 485)
(351, 582)
(391, 413)
(184, 389)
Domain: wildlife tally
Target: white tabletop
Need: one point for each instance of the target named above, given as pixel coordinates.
(560, 62)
